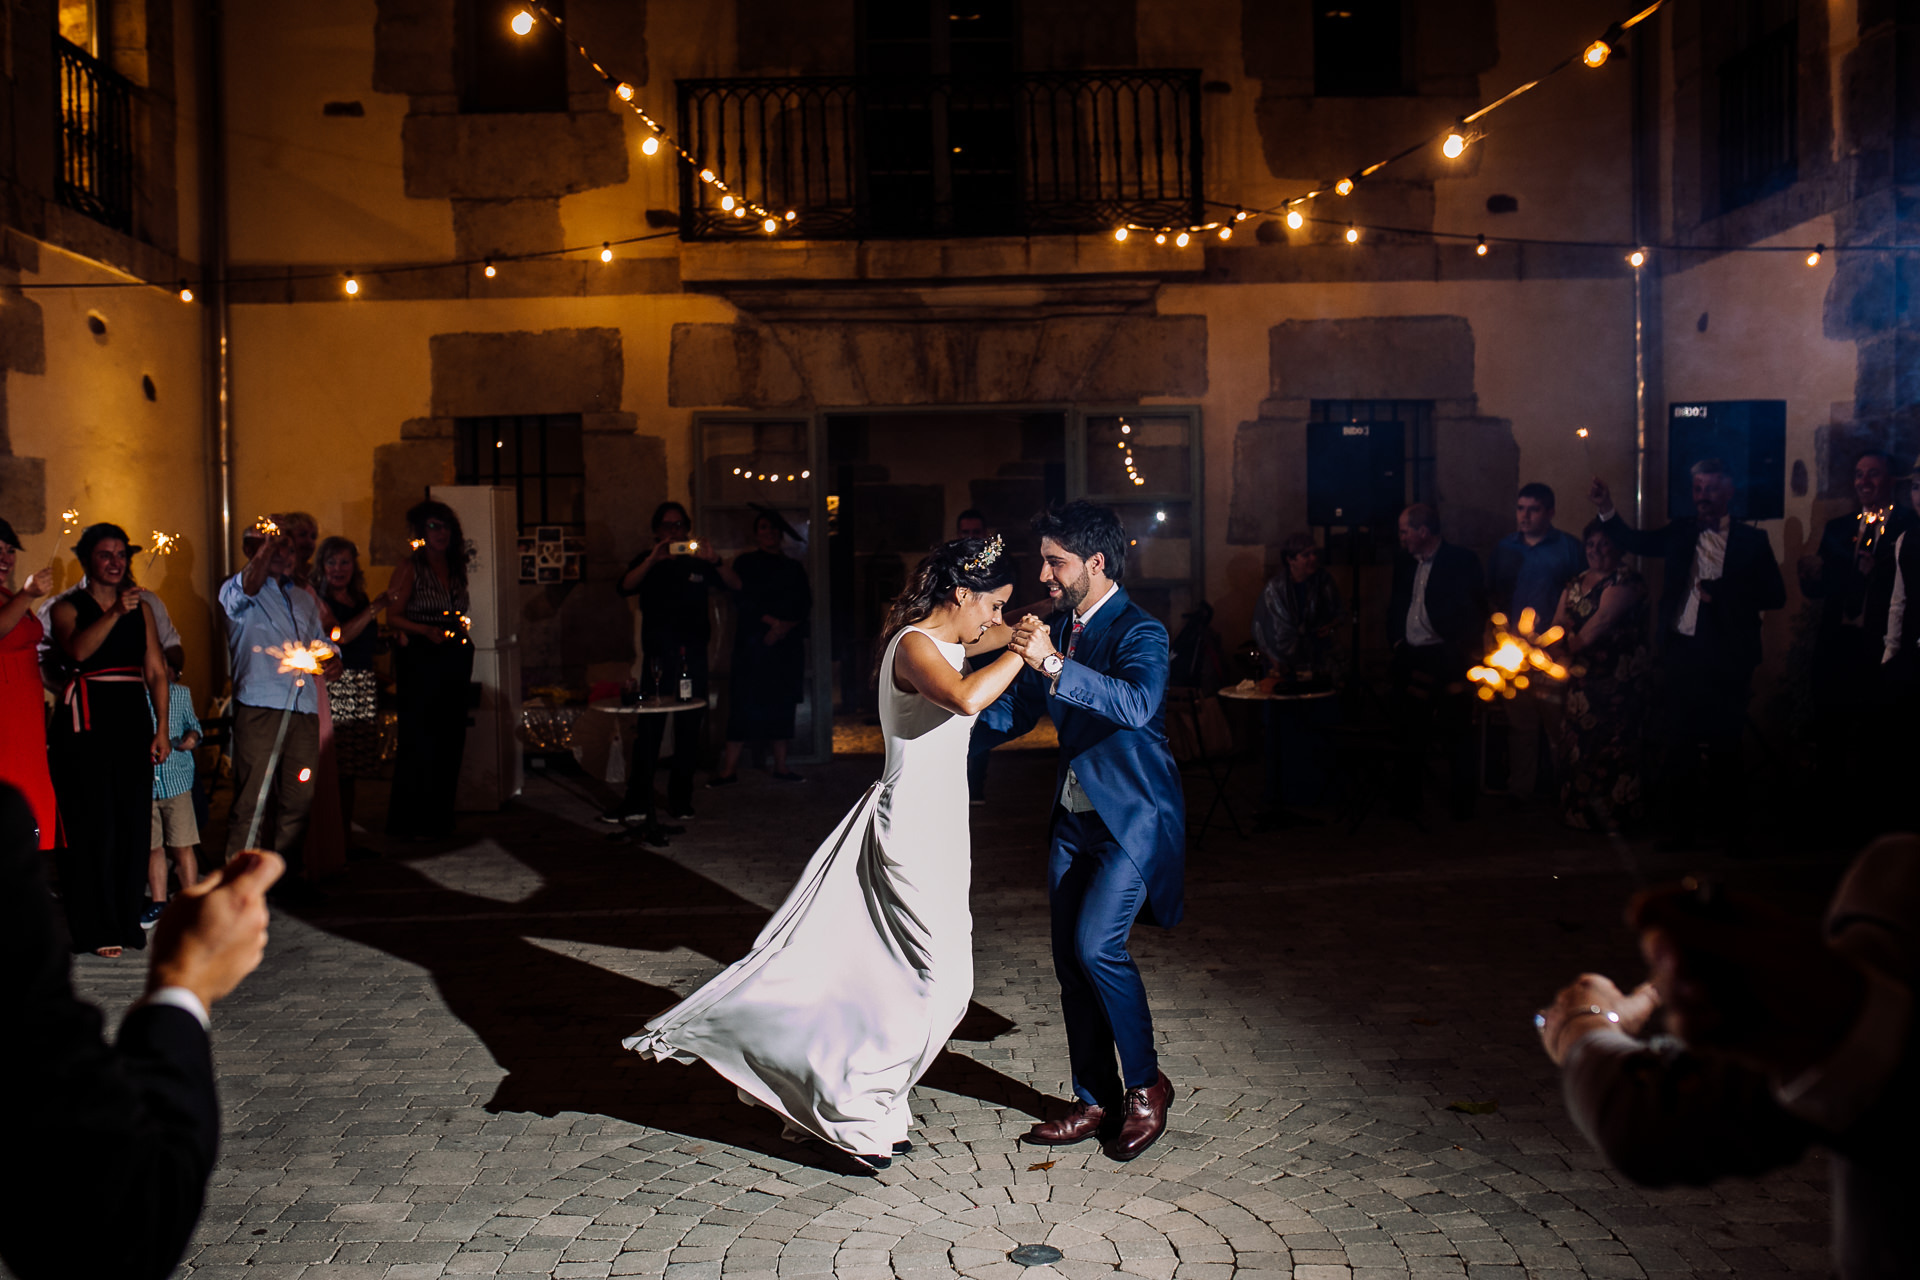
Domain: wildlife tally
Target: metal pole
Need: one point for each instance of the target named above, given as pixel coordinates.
(213, 257)
(1640, 394)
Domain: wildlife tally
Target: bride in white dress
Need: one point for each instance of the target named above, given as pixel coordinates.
(853, 987)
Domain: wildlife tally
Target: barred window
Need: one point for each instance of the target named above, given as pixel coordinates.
(539, 456)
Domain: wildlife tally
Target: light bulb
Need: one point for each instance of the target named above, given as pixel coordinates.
(625, 92)
(1119, 233)
(651, 145)
(706, 175)
(1581, 432)
(353, 285)
(1353, 235)
(1240, 215)
(770, 226)
(522, 23)
(1344, 186)
(606, 251)
(789, 477)
(1597, 54)
(1226, 233)
(186, 294)
(1182, 239)
(1161, 238)
(726, 202)
(1813, 259)
(1637, 258)
(791, 215)
(739, 211)
(1453, 146)
(1295, 220)
(805, 474)
(736, 471)
(1480, 246)
(491, 273)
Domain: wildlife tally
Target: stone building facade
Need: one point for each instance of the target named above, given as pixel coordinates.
(375, 139)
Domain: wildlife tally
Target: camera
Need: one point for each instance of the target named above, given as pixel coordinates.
(682, 548)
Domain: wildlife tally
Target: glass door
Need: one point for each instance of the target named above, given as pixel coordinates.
(1146, 464)
(745, 466)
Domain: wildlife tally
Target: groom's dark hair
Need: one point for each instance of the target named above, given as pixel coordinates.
(1087, 530)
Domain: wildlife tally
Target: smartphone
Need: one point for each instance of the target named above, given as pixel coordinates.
(682, 548)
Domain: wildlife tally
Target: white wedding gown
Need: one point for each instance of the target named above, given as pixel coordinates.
(864, 971)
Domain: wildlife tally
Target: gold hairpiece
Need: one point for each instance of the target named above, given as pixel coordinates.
(988, 554)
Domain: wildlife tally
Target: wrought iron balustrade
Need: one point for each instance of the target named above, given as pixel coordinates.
(858, 157)
(96, 137)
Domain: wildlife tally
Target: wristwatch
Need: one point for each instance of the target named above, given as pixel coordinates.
(1052, 664)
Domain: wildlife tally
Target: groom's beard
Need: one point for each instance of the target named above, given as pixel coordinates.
(1072, 593)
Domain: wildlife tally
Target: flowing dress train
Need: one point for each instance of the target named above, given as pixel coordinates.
(853, 987)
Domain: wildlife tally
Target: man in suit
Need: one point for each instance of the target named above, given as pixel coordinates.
(1778, 1037)
(1436, 625)
(105, 1156)
(1119, 819)
(1720, 576)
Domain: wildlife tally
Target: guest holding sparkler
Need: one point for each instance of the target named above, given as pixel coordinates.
(104, 744)
(1851, 574)
(433, 669)
(1721, 575)
(23, 708)
(1603, 612)
(269, 613)
(348, 614)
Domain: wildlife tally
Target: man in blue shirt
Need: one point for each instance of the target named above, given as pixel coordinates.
(267, 610)
(1528, 569)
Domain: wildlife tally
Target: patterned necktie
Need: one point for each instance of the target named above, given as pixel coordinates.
(1074, 639)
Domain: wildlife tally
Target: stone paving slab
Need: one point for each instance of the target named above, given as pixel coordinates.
(425, 1079)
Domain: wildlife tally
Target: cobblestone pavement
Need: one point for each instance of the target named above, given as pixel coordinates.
(425, 1078)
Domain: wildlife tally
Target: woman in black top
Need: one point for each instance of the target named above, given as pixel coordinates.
(769, 650)
(105, 740)
(428, 605)
(348, 616)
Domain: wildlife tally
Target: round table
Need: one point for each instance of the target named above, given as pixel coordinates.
(650, 830)
(1279, 817)
(645, 707)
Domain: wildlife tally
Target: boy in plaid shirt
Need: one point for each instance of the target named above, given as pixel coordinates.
(175, 830)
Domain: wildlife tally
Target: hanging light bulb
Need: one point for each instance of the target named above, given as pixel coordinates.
(726, 202)
(186, 294)
(1353, 234)
(706, 175)
(606, 251)
(1480, 246)
(1454, 145)
(491, 273)
(1638, 258)
(791, 215)
(1239, 215)
(1597, 53)
(1181, 239)
(1120, 233)
(806, 475)
(625, 92)
(1344, 186)
(736, 471)
(1226, 233)
(1295, 220)
(651, 145)
(739, 211)
(522, 23)
(770, 226)
(1813, 259)
(353, 285)
(1160, 238)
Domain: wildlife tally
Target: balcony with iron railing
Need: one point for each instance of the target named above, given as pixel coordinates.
(860, 157)
(94, 110)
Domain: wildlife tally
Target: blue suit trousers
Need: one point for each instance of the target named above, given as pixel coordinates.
(1095, 893)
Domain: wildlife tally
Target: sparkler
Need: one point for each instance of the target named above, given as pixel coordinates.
(69, 521)
(1586, 443)
(1516, 657)
(162, 546)
(265, 527)
(305, 660)
(1871, 528)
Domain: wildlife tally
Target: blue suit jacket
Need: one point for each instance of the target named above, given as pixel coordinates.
(1110, 710)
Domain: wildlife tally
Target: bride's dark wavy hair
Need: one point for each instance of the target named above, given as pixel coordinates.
(934, 579)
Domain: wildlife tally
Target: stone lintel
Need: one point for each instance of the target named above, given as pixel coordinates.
(554, 371)
(427, 429)
(511, 157)
(1384, 358)
(1319, 256)
(933, 261)
(611, 424)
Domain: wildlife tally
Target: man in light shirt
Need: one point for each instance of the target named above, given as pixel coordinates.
(1721, 575)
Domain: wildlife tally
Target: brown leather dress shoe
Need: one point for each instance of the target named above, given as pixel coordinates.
(1143, 1118)
(1079, 1124)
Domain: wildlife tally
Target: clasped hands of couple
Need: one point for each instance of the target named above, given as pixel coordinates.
(1032, 641)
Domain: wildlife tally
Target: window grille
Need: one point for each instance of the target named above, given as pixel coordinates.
(96, 137)
(539, 456)
(1759, 149)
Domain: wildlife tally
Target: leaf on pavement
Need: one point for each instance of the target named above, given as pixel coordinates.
(1035, 1168)
(1473, 1108)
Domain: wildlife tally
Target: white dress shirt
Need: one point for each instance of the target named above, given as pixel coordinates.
(1897, 607)
(1709, 562)
(1072, 798)
(1420, 632)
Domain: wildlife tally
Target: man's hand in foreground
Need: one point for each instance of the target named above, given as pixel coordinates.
(213, 933)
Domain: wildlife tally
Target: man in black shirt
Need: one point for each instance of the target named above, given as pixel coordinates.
(675, 625)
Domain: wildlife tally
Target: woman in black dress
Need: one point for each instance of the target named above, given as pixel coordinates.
(104, 744)
(432, 671)
(769, 657)
(348, 615)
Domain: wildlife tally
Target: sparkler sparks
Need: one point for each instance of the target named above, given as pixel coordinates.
(296, 657)
(1518, 655)
(162, 545)
(1872, 527)
(69, 521)
(265, 527)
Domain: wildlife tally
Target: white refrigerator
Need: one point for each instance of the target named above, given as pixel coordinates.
(491, 772)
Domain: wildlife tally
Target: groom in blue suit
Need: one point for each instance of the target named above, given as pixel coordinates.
(1119, 819)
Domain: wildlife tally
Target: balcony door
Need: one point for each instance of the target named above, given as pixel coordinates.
(940, 121)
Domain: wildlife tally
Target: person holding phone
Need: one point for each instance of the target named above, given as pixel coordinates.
(673, 581)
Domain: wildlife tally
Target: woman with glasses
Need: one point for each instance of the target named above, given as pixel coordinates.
(432, 669)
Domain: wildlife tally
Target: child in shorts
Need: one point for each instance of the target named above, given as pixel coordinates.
(175, 831)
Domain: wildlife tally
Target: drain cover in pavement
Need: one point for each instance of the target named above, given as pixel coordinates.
(1035, 1255)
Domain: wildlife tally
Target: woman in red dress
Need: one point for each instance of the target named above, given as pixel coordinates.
(23, 708)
